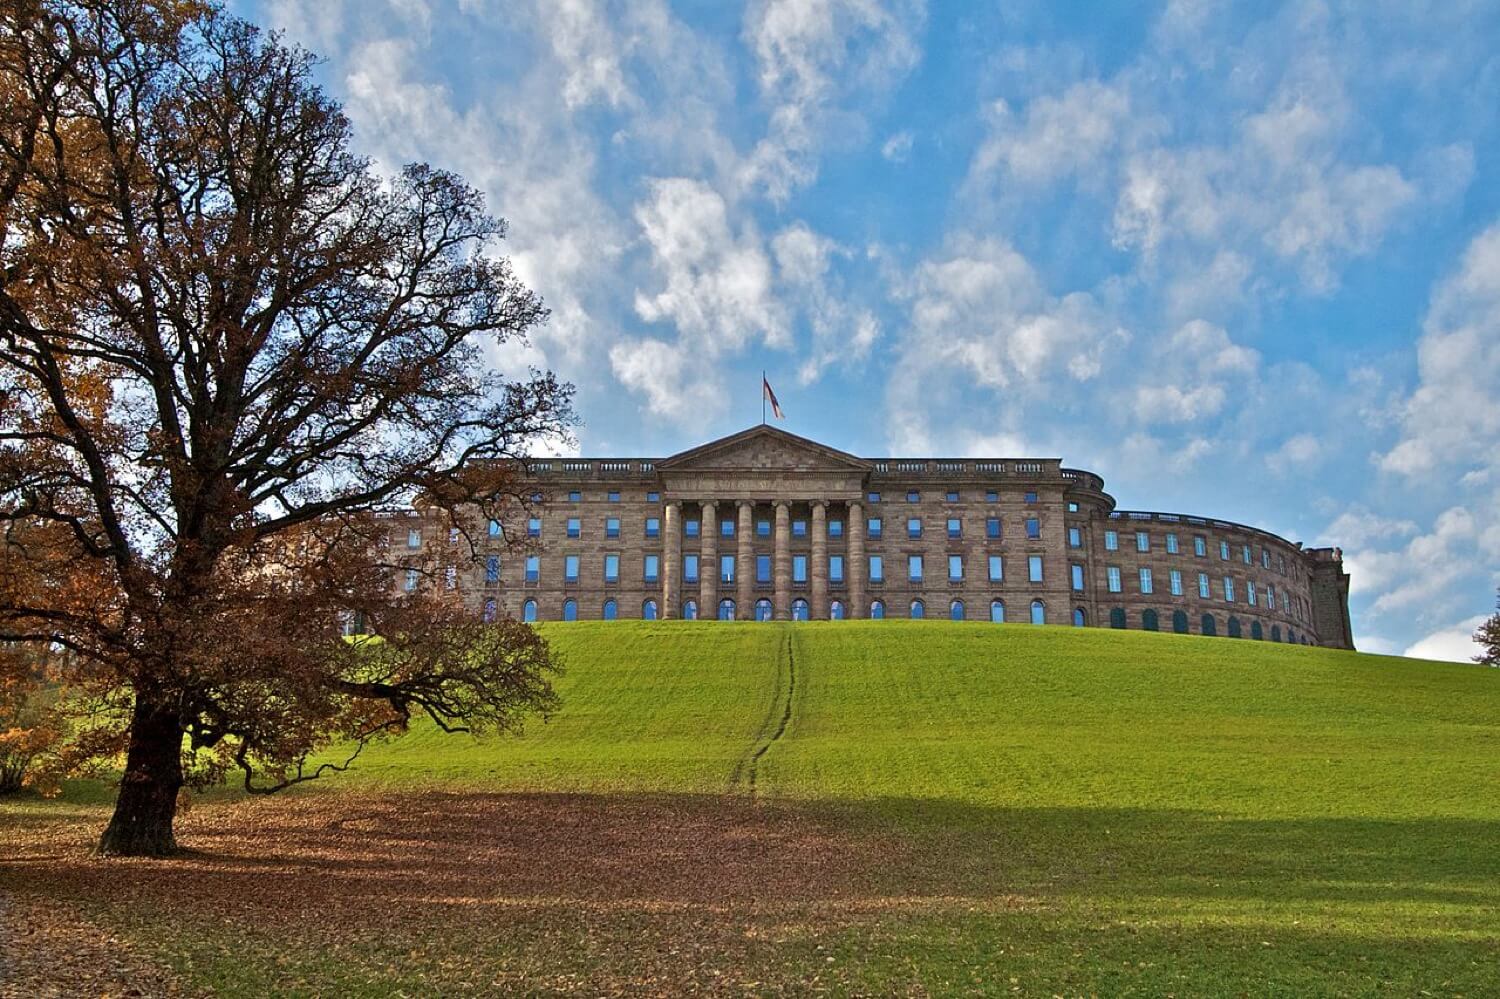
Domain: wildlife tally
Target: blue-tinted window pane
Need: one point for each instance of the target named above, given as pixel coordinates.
(835, 528)
(653, 527)
(955, 527)
(652, 569)
(570, 569)
(611, 568)
(726, 568)
(1033, 528)
(799, 528)
(763, 528)
(534, 527)
(1034, 568)
(533, 568)
(690, 528)
(914, 568)
(835, 568)
(492, 569)
(997, 568)
(992, 527)
(574, 527)
(799, 568)
(689, 568)
(762, 568)
(612, 527)
(873, 527)
(955, 568)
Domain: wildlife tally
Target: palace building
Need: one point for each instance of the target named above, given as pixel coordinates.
(767, 525)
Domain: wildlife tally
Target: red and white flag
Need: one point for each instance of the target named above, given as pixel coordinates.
(770, 397)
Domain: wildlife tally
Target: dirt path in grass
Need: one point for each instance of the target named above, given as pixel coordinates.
(47, 950)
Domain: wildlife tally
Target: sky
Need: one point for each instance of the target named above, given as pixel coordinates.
(1241, 260)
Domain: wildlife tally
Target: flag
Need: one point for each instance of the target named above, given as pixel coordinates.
(770, 397)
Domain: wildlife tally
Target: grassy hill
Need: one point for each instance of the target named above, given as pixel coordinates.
(877, 807)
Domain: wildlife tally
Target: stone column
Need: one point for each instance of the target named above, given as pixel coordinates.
(671, 560)
(818, 571)
(855, 566)
(781, 566)
(744, 563)
(708, 562)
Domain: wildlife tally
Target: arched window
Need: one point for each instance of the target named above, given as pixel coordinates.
(648, 610)
(690, 610)
(1079, 617)
(726, 609)
(799, 610)
(1275, 632)
(1209, 626)
(836, 611)
(918, 609)
(1234, 627)
(528, 611)
(997, 611)
(488, 616)
(1179, 622)
(570, 609)
(611, 610)
(1117, 618)
(1149, 620)
(877, 610)
(956, 610)
(1255, 631)
(1291, 636)
(1038, 612)
(762, 609)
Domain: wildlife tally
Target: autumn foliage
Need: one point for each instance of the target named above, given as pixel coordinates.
(230, 353)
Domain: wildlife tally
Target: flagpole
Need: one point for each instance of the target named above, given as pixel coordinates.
(762, 396)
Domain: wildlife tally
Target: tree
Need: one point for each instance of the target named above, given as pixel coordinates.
(30, 728)
(1488, 636)
(229, 353)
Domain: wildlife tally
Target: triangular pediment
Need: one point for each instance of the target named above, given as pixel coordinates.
(764, 447)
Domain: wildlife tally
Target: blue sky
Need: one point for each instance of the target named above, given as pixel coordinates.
(1241, 260)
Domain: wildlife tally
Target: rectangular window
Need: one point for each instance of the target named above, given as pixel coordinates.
(762, 568)
(1033, 528)
(1075, 538)
(492, 569)
(1111, 541)
(835, 568)
(1203, 585)
(914, 568)
(991, 496)
(653, 527)
(1245, 555)
(1223, 551)
(1113, 572)
(533, 568)
(414, 538)
(877, 569)
(955, 527)
(611, 568)
(997, 568)
(1176, 581)
(651, 570)
(799, 528)
(1200, 545)
(955, 568)
(914, 527)
(574, 496)
(992, 527)
(873, 528)
(534, 527)
(873, 497)
(726, 528)
(913, 496)
(689, 568)
(574, 527)
(1142, 541)
(1030, 496)
(1034, 568)
(690, 528)
(494, 528)
(951, 496)
(411, 580)
(1077, 571)
(1270, 596)
(653, 497)
(1171, 544)
(1265, 559)
(1250, 592)
(1146, 584)
(1286, 602)
(570, 569)
(612, 527)
(1229, 589)
(1072, 507)
(613, 496)
(835, 528)
(763, 528)
(726, 568)
(799, 568)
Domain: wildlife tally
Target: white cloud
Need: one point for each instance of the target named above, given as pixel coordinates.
(897, 148)
(1297, 450)
(716, 282)
(842, 333)
(1191, 382)
(585, 43)
(1453, 644)
(1057, 136)
(1359, 528)
(676, 386)
(813, 56)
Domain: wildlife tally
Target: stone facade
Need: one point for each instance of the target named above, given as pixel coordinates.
(766, 524)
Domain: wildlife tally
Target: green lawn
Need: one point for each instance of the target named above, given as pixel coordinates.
(933, 807)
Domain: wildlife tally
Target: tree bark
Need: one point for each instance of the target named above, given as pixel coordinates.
(142, 823)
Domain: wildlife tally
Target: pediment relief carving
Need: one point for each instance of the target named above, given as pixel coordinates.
(764, 448)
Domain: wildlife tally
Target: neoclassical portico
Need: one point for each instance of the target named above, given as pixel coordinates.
(733, 487)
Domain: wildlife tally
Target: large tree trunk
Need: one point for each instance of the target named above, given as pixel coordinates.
(142, 823)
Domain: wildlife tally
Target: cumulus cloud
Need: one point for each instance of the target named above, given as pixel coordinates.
(1199, 365)
(897, 148)
(1057, 135)
(674, 383)
(1453, 644)
(842, 333)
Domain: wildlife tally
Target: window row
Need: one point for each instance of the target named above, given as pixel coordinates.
(1146, 584)
(763, 610)
(1227, 551)
(1150, 620)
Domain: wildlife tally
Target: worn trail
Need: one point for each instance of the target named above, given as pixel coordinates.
(778, 717)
